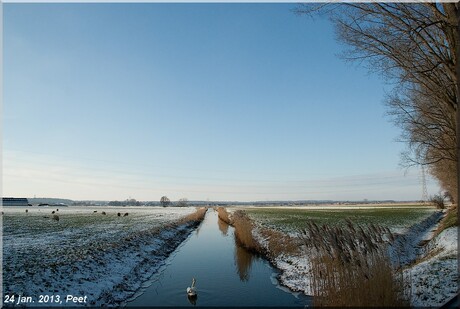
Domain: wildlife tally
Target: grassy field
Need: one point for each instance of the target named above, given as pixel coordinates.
(79, 226)
(293, 219)
(93, 250)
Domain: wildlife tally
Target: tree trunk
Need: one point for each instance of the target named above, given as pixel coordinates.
(457, 11)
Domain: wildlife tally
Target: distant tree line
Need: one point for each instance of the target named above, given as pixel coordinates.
(128, 202)
(164, 201)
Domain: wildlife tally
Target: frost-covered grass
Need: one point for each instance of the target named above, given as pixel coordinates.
(432, 280)
(292, 219)
(104, 257)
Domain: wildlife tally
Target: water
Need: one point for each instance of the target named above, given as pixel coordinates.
(226, 274)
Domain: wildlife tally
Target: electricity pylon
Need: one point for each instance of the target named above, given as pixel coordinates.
(424, 189)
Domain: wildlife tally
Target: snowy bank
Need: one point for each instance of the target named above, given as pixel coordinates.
(294, 269)
(407, 246)
(106, 261)
(434, 279)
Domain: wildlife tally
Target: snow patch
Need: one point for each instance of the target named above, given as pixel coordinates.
(406, 247)
(434, 280)
(294, 270)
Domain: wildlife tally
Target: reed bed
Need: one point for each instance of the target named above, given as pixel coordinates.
(224, 215)
(197, 216)
(350, 266)
(243, 229)
(280, 243)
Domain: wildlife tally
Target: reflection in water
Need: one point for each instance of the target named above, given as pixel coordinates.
(198, 229)
(243, 259)
(223, 227)
(192, 299)
(228, 275)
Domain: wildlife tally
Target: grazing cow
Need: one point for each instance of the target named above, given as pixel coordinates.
(103, 213)
(27, 210)
(119, 214)
(94, 211)
(53, 212)
(125, 215)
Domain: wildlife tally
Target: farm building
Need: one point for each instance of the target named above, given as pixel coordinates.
(12, 201)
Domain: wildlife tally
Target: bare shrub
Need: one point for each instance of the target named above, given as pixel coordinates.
(103, 213)
(350, 266)
(183, 202)
(56, 217)
(449, 220)
(438, 201)
(223, 215)
(243, 231)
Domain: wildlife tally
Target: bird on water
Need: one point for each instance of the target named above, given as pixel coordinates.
(191, 290)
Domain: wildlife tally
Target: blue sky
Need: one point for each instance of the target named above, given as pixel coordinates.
(236, 102)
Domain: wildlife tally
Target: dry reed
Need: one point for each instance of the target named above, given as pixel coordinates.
(243, 231)
(223, 215)
(196, 217)
(350, 266)
(280, 243)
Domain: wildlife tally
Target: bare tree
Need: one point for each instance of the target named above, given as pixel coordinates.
(164, 201)
(416, 46)
(183, 202)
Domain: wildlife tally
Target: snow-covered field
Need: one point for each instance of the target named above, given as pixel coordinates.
(432, 281)
(86, 253)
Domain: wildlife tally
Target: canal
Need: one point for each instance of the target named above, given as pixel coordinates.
(226, 274)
